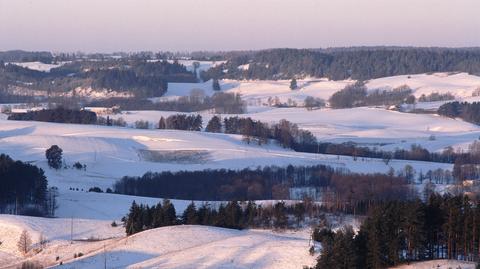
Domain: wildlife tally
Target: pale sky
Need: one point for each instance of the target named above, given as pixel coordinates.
(189, 25)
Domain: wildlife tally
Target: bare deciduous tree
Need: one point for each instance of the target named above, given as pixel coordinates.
(24, 242)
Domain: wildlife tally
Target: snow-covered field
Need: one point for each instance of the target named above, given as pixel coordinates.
(374, 127)
(113, 152)
(438, 264)
(368, 126)
(168, 247)
(203, 247)
(104, 206)
(58, 232)
(39, 66)
(461, 85)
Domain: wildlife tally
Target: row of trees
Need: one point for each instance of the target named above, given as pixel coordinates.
(142, 217)
(355, 95)
(435, 96)
(220, 102)
(181, 122)
(289, 135)
(232, 214)
(60, 115)
(469, 112)
(134, 75)
(444, 227)
(340, 190)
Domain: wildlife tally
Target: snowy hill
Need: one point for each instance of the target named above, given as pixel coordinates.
(167, 247)
(113, 152)
(461, 85)
(58, 233)
(368, 126)
(256, 92)
(202, 247)
(39, 66)
(438, 264)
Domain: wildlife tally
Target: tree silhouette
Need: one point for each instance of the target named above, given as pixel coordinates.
(24, 242)
(54, 156)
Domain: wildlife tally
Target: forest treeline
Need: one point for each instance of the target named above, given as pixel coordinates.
(356, 95)
(337, 64)
(395, 232)
(23, 188)
(289, 135)
(59, 115)
(220, 102)
(344, 191)
(138, 76)
(181, 122)
(469, 112)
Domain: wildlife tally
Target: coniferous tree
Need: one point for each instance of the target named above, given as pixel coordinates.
(233, 215)
(158, 216)
(54, 156)
(197, 123)
(280, 215)
(344, 252)
(293, 84)
(169, 213)
(133, 222)
(161, 123)
(190, 215)
(216, 85)
(214, 125)
(326, 258)
(414, 222)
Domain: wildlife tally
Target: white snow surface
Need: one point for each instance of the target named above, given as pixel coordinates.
(461, 85)
(58, 232)
(438, 264)
(202, 247)
(39, 66)
(257, 92)
(374, 127)
(113, 152)
(168, 247)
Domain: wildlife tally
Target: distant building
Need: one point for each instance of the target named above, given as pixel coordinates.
(298, 193)
(103, 110)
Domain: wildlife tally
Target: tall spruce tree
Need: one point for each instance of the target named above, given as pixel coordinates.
(216, 85)
(161, 123)
(293, 84)
(214, 125)
(190, 215)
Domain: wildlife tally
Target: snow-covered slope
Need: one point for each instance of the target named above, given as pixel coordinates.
(461, 85)
(202, 247)
(113, 152)
(369, 126)
(167, 247)
(438, 264)
(259, 92)
(104, 206)
(39, 66)
(58, 232)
